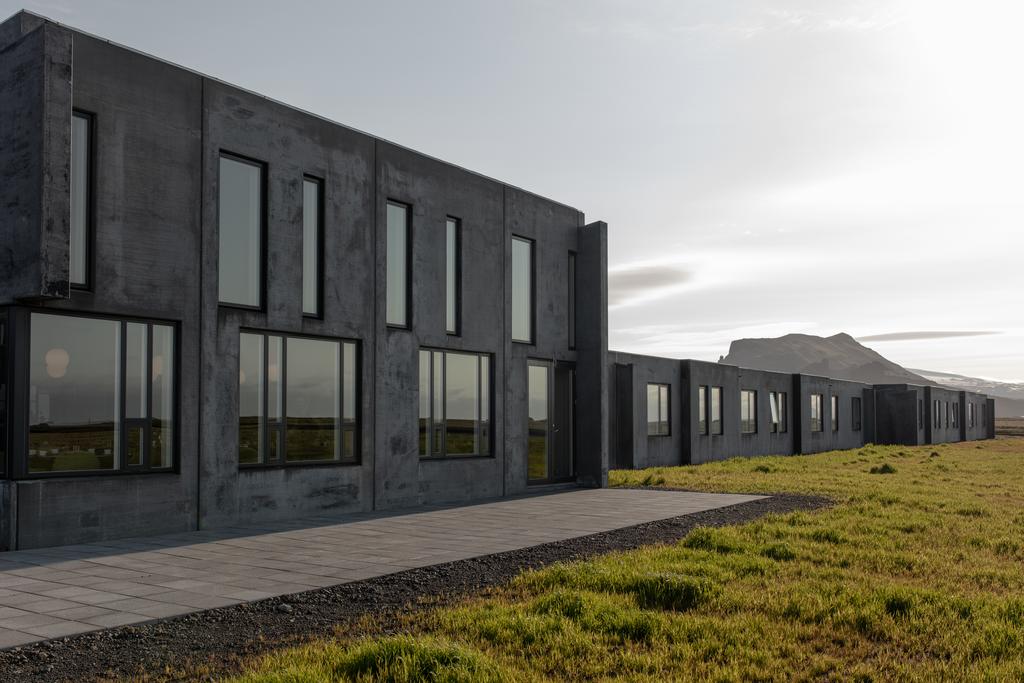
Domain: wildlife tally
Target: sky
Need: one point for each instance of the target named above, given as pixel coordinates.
(769, 167)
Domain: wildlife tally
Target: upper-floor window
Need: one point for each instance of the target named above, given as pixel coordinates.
(658, 410)
(453, 276)
(855, 414)
(241, 232)
(748, 411)
(398, 281)
(835, 413)
(777, 403)
(455, 404)
(312, 239)
(572, 300)
(716, 411)
(298, 400)
(102, 395)
(522, 290)
(81, 198)
(817, 404)
(702, 409)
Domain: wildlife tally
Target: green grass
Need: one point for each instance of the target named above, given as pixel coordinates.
(917, 573)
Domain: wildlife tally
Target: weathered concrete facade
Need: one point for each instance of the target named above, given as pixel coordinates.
(159, 132)
(886, 414)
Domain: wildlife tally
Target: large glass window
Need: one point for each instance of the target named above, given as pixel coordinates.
(397, 298)
(240, 264)
(81, 196)
(455, 404)
(658, 410)
(101, 395)
(538, 417)
(716, 411)
(297, 400)
(522, 290)
(777, 403)
(702, 410)
(817, 407)
(312, 234)
(748, 411)
(453, 275)
(855, 414)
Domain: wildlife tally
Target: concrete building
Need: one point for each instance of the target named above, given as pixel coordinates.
(217, 309)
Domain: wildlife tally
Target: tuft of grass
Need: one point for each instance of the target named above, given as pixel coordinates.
(910, 578)
(883, 469)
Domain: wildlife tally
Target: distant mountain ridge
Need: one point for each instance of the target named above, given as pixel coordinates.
(843, 357)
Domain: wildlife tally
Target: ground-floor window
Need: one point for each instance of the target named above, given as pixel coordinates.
(658, 421)
(835, 413)
(702, 410)
(816, 410)
(855, 414)
(3, 391)
(748, 411)
(777, 403)
(455, 404)
(102, 395)
(717, 427)
(298, 400)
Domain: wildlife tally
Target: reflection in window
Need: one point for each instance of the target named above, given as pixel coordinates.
(657, 410)
(297, 400)
(816, 410)
(240, 265)
(716, 411)
(312, 222)
(77, 420)
(81, 169)
(522, 290)
(397, 293)
(748, 411)
(835, 413)
(702, 410)
(538, 421)
(455, 404)
(777, 403)
(453, 275)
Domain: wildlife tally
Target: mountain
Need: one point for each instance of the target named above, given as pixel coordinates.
(843, 357)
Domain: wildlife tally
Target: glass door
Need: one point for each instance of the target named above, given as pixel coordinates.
(552, 422)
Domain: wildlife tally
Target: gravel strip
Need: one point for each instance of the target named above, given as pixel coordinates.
(208, 645)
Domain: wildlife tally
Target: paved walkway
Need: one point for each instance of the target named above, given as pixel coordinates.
(55, 592)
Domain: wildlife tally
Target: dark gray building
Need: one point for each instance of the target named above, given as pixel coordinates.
(216, 309)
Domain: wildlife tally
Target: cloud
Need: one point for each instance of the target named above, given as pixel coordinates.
(630, 283)
(917, 335)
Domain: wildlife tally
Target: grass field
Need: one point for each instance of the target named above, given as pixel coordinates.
(917, 573)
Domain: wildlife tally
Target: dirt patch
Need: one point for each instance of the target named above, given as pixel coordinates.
(208, 645)
(1010, 426)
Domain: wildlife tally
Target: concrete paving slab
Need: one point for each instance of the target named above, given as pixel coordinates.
(56, 592)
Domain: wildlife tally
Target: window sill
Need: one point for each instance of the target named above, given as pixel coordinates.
(38, 476)
(449, 458)
(291, 465)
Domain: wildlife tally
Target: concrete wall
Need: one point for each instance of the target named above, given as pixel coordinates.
(828, 439)
(980, 428)
(159, 131)
(654, 451)
(942, 430)
(900, 414)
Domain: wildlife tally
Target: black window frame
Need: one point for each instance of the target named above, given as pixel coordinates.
(721, 411)
(664, 394)
(321, 206)
(571, 313)
(264, 232)
(432, 423)
(703, 406)
(833, 408)
(282, 430)
(456, 329)
(856, 413)
(817, 402)
(5, 393)
(407, 323)
(20, 326)
(533, 291)
(751, 395)
(90, 208)
(779, 401)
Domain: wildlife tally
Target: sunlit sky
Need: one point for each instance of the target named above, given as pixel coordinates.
(764, 167)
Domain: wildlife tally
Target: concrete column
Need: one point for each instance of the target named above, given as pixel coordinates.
(592, 348)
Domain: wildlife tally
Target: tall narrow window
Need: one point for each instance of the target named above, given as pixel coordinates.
(856, 416)
(81, 195)
(956, 414)
(3, 393)
(777, 404)
(397, 298)
(455, 404)
(716, 411)
(748, 411)
(240, 263)
(835, 413)
(453, 275)
(522, 290)
(783, 401)
(312, 234)
(297, 400)
(920, 413)
(702, 409)
(572, 300)
(658, 410)
(101, 395)
(817, 406)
